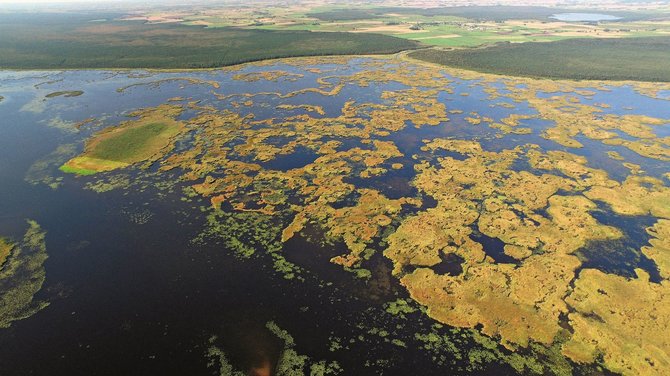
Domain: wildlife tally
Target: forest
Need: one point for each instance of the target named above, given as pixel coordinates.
(583, 59)
(71, 41)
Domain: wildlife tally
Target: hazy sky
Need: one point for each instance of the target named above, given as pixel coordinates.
(19, 2)
(55, 1)
(49, 1)
(89, 3)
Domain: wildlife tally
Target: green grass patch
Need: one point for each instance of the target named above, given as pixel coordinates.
(143, 140)
(637, 59)
(75, 170)
(130, 144)
(84, 165)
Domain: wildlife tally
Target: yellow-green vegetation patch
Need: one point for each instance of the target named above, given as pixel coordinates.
(400, 307)
(246, 232)
(290, 363)
(624, 320)
(518, 303)
(659, 248)
(42, 170)
(134, 141)
(90, 166)
(572, 117)
(614, 155)
(22, 275)
(538, 359)
(272, 76)
(523, 303)
(637, 195)
(6, 247)
(309, 108)
(158, 83)
(109, 183)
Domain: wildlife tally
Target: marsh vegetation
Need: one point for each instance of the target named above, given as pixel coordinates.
(512, 194)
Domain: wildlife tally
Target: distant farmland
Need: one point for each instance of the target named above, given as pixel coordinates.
(489, 13)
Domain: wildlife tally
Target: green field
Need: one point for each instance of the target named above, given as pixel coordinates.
(639, 59)
(435, 36)
(128, 145)
(55, 41)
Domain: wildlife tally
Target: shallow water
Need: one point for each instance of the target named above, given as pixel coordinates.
(584, 17)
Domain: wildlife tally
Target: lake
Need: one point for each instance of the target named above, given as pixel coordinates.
(331, 216)
(584, 17)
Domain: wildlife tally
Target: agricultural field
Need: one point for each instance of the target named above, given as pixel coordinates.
(452, 26)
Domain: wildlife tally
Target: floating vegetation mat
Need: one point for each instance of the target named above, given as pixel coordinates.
(22, 275)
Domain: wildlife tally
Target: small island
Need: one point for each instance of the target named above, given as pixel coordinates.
(66, 94)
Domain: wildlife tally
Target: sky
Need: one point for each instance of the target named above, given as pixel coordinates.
(19, 2)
